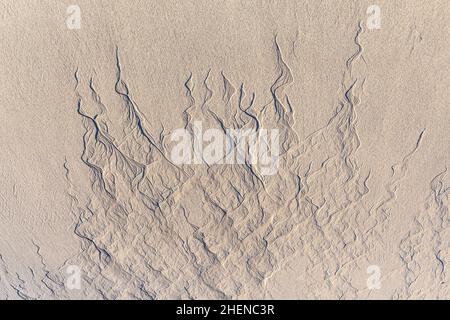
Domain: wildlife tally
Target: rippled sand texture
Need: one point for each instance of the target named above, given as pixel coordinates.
(362, 182)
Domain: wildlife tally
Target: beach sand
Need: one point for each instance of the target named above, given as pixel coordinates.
(93, 204)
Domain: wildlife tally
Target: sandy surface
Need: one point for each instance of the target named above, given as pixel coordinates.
(93, 205)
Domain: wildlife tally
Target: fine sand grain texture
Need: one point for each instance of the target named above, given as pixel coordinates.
(107, 191)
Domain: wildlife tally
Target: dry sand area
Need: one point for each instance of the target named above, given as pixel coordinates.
(353, 203)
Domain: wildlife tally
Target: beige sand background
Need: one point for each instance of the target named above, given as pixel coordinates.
(358, 209)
